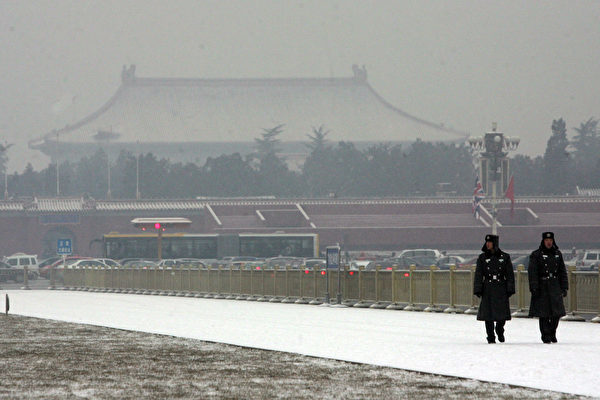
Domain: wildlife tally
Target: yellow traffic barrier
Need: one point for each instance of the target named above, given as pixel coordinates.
(572, 308)
(411, 305)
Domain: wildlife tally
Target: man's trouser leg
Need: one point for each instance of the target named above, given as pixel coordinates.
(546, 329)
(500, 330)
(554, 322)
(489, 328)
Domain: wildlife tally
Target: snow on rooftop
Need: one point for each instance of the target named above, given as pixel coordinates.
(182, 110)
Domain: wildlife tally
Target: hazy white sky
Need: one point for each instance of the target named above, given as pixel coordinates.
(462, 63)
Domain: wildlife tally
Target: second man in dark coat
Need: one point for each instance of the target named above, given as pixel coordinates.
(548, 283)
(494, 284)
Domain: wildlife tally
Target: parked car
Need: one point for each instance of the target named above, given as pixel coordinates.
(414, 253)
(282, 262)
(446, 261)
(468, 263)
(189, 262)
(247, 265)
(58, 265)
(85, 262)
(22, 260)
(399, 262)
(313, 263)
(588, 260)
(356, 264)
(243, 258)
(165, 262)
(521, 260)
(139, 263)
(181, 262)
(424, 261)
(8, 272)
(125, 261)
(48, 261)
(211, 262)
(109, 262)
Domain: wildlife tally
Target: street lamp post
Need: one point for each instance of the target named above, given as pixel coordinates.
(494, 147)
(107, 136)
(108, 194)
(3, 150)
(137, 174)
(57, 167)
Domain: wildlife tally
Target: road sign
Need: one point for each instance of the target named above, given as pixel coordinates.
(63, 246)
(333, 257)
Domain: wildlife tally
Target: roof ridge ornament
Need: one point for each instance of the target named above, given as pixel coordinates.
(128, 74)
(360, 73)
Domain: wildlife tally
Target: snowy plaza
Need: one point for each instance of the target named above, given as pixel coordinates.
(445, 344)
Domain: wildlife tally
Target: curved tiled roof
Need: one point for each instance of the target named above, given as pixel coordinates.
(548, 207)
(157, 110)
(59, 205)
(82, 204)
(149, 205)
(11, 206)
(588, 191)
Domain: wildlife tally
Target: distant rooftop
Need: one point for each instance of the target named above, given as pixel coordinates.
(588, 191)
(179, 112)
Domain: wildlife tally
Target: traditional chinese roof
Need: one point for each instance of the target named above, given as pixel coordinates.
(179, 111)
(79, 205)
(588, 191)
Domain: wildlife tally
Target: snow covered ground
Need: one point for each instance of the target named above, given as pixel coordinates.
(444, 344)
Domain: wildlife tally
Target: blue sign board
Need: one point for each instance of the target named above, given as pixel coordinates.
(63, 246)
(333, 257)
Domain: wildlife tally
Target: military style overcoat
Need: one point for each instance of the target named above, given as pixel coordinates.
(495, 283)
(547, 280)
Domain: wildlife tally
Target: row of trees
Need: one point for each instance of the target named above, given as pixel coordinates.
(564, 165)
(342, 168)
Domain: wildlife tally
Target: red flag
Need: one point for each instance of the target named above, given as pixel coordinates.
(510, 194)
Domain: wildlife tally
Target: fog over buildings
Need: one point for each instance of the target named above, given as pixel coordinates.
(463, 63)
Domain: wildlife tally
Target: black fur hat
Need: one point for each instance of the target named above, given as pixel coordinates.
(492, 238)
(548, 235)
(495, 239)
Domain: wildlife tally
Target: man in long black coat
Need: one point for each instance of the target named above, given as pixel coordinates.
(548, 284)
(494, 284)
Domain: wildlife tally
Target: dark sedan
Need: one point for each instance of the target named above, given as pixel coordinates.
(8, 272)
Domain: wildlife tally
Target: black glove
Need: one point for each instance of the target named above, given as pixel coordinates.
(534, 293)
(478, 294)
(564, 293)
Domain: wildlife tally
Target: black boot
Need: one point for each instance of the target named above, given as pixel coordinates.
(500, 331)
(501, 337)
(546, 339)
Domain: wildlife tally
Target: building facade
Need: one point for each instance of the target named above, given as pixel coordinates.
(357, 224)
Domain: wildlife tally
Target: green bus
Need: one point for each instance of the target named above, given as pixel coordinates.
(210, 246)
